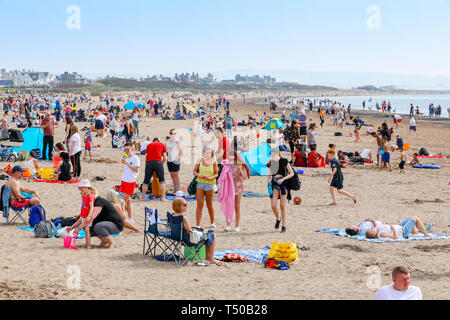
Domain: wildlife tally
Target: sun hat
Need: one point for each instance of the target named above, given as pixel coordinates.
(84, 184)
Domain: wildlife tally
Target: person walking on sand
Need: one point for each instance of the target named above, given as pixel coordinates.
(336, 179)
(412, 126)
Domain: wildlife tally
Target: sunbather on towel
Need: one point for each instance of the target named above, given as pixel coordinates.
(179, 206)
(401, 230)
(361, 228)
(16, 198)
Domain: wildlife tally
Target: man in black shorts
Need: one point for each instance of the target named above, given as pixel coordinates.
(156, 156)
(336, 179)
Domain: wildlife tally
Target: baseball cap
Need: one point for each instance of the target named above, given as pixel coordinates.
(17, 169)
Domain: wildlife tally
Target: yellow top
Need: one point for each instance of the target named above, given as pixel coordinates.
(206, 171)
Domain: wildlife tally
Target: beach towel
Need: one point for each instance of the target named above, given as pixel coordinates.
(252, 255)
(73, 181)
(226, 192)
(170, 198)
(81, 235)
(429, 157)
(341, 233)
(250, 194)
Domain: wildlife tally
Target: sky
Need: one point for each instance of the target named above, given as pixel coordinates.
(140, 37)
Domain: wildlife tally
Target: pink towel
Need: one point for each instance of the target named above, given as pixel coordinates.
(226, 192)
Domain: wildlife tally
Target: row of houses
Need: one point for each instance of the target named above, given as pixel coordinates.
(24, 78)
(184, 78)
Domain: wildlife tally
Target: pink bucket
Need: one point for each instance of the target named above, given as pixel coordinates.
(67, 242)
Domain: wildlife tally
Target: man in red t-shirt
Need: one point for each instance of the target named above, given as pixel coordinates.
(156, 156)
(223, 148)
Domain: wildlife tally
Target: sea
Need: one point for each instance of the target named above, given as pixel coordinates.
(400, 103)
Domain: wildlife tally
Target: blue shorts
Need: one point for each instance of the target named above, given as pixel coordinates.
(386, 157)
(205, 186)
(413, 128)
(210, 238)
(407, 225)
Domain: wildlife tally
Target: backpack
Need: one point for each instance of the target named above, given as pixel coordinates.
(37, 214)
(293, 183)
(131, 129)
(44, 229)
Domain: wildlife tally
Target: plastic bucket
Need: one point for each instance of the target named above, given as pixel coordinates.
(67, 242)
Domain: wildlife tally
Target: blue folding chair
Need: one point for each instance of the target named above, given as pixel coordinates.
(6, 193)
(154, 238)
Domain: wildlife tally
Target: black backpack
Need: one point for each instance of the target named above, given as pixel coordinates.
(293, 183)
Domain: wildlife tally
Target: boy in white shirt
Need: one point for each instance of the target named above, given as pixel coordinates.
(129, 177)
(400, 289)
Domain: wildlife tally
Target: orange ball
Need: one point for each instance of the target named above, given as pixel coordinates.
(297, 200)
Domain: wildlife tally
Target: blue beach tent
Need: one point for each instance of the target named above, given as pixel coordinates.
(257, 159)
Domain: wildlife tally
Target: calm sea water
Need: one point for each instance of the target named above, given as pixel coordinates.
(400, 103)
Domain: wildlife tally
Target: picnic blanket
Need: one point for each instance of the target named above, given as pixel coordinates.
(341, 233)
(250, 194)
(251, 255)
(73, 181)
(81, 235)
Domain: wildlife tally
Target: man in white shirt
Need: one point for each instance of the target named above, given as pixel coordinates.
(129, 177)
(144, 146)
(412, 125)
(400, 289)
(100, 124)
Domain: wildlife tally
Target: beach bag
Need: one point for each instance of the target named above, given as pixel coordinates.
(234, 257)
(276, 264)
(338, 134)
(192, 188)
(37, 214)
(45, 229)
(286, 252)
(195, 236)
(294, 183)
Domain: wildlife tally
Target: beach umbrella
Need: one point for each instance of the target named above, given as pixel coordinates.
(274, 124)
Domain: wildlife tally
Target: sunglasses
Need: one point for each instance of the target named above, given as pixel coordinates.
(185, 204)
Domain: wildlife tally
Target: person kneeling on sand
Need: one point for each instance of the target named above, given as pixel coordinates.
(179, 206)
(401, 230)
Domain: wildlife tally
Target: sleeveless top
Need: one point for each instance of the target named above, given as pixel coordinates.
(29, 164)
(65, 172)
(206, 171)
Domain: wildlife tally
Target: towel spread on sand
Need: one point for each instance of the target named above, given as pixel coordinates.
(250, 194)
(341, 233)
(252, 255)
(73, 181)
(81, 235)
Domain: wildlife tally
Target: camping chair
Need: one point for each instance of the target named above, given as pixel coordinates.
(153, 238)
(179, 242)
(6, 193)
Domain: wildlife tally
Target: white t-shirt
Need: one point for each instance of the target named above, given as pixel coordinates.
(173, 151)
(397, 117)
(389, 293)
(144, 145)
(77, 144)
(101, 117)
(129, 175)
(115, 125)
(412, 122)
(135, 116)
(386, 228)
(365, 154)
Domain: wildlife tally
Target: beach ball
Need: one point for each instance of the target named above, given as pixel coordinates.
(297, 201)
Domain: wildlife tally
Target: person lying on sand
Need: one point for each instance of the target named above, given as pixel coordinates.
(403, 229)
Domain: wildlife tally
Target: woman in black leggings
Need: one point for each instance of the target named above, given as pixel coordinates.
(76, 164)
(75, 151)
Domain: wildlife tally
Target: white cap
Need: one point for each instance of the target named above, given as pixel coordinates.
(84, 184)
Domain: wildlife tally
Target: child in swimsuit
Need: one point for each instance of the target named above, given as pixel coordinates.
(402, 160)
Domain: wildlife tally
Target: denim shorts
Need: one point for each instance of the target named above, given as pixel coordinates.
(205, 186)
(210, 238)
(407, 225)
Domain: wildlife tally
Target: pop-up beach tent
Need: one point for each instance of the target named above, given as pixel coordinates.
(274, 124)
(257, 159)
(130, 105)
(33, 139)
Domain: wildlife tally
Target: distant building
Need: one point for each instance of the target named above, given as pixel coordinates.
(256, 79)
(6, 83)
(26, 78)
(71, 78)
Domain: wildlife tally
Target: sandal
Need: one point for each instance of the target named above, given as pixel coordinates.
(305, 248)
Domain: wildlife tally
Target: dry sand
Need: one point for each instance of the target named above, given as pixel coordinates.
(334, 268)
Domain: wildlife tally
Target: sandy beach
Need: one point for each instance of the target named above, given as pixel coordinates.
(334, 268)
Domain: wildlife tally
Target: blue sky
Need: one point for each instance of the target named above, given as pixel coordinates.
(147, 37)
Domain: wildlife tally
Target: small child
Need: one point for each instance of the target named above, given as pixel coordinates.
(88, 195)
(87, 145)
(336, 179)
(402, 160)
(386, 157)
(399, 142)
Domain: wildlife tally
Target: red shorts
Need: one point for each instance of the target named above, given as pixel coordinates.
(127, 187)
(21, 203)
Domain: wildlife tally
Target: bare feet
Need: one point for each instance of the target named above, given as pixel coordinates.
(354, 199)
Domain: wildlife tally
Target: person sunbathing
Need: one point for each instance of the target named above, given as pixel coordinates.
(415, 160)
(402, 230)
(17, 200)
(361, 228)
(343, 158)
(179, 206)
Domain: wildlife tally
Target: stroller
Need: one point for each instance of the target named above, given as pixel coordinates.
(7, 153)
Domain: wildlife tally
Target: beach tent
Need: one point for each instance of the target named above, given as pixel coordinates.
(190, 108)
(33, 139)
(257, 159)
(274, 124)
(130, 105)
